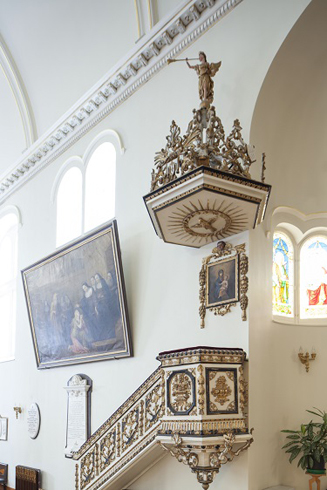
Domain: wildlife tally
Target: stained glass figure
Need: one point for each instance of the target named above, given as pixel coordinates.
(283, 276)
(313, 279)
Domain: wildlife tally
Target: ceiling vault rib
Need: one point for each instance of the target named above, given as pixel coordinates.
(146, 60)
(19, 92)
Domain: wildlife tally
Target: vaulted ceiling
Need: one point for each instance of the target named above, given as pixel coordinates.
(53, 52)
(293, 105)
(58, 50)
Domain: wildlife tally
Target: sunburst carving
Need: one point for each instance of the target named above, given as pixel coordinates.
(206, 222)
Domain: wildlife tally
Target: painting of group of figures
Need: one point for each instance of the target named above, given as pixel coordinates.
(76, 302)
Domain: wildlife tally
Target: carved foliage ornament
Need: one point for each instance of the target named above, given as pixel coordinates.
(87, 468)
(185, 153)
(107, 450)
(213, 460)
(154, 406)
(221, 390)
(223, 280)
(130, 428)
(181, 392)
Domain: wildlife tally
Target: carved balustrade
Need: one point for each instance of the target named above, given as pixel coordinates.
(193, 406)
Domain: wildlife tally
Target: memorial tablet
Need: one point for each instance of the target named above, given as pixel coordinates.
(33, 421)
(3, 428)
(77, 429)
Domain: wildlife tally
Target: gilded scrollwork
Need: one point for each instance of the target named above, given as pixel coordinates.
(212, 456)
(222, 310)
(183, 154)
(107, 450)
(222, 391)
(141, 426)
(186, 457)
(87, 468)
(154, 406)
(193, 411)
(130, 428)
(201, 390)
(181, 392)
(215, 295)
(244, 282)
(97, 463)
(76, 477)
(231, 407)
(226, 449)
(243, 387)
(118, 440)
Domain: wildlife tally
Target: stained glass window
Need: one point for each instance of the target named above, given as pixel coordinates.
(313, 278)
(283, 276)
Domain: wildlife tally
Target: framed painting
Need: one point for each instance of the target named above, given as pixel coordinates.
(76, 302)
(223, 280)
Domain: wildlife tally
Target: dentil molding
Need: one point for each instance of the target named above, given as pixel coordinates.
(166, 40)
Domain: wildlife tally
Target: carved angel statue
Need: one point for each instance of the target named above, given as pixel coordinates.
(205, 72)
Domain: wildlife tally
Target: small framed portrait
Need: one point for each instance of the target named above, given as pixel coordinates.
(77, 304)
(222, 282)
(3, 428)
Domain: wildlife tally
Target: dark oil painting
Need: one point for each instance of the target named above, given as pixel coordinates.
(76, 302)
(222, 282)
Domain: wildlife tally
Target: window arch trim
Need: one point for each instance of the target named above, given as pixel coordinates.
(70, 163)
(106, 136)
(11, 209)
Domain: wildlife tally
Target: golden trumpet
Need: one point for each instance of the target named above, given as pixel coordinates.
(170, 60)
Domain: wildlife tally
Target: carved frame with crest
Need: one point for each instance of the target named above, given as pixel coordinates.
(224, 254)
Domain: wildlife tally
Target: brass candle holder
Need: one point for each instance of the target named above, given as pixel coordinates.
(305, 358)
(17, 411)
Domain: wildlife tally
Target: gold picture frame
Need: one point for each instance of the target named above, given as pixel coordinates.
(223, 280)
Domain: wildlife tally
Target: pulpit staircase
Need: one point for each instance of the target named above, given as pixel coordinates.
(193, 406)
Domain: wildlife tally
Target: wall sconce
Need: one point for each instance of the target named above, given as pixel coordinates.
(306, 358)
(18, 410)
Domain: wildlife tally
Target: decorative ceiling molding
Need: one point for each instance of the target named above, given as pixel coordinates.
(16, 84)
(166, 40)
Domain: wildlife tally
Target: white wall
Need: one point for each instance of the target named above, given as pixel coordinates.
(161, 279)
(289, 123)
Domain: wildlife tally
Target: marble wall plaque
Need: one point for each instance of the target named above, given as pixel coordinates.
(3, 428)
(77, 413)
(33, 420)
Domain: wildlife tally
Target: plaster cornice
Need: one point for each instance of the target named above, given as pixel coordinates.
(166, 40)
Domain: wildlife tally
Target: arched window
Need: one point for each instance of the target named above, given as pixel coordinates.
(313, 278)
(100, 180)
(8, 267)
(69, 206)
(283, 275)
(85, 189)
